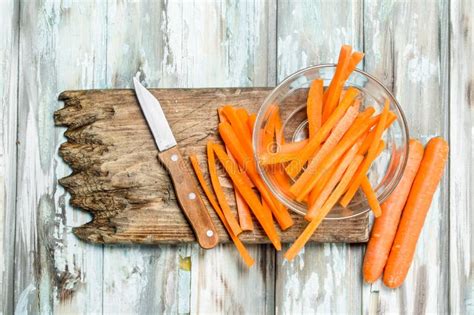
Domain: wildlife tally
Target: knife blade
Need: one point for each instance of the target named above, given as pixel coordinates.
(184, 184)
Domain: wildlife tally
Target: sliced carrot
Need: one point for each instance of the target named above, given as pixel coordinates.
(243, 211)
(322, 182)
(369, 191)
(296, 165)
(322, 212)
(248, 260)
(419, 201)
(220, 193)
(337, 133)
(370, 137)
(240, 128)
(314, 106)
(335, 178)
(249, 195)
(268, 158)
(243, 115)
(337, 83)
(385, 227)
(292, 147)
(246, 162)
(356, 57)
(360, 126)
(371, 154)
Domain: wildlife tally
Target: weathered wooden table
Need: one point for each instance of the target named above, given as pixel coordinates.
(422, 50)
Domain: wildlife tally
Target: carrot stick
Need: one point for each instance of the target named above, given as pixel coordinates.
(337, 83)
(369, 191)
(338, 132)
(291, 147)
(334, 179)
(249, 195)
(419, 200)
(296, 165)
(385, 226)
(369, 158)
(248, 260)
(356, 57)
(370, 138)
(240, 128)
(322, 182)
(243, 115)
(314, 106)
(322, 212)
(360, 126)
(220, 193)
(268, 158)
(243, 211)
(246, 162)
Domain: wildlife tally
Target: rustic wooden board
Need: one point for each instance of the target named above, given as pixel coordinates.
(116, 175)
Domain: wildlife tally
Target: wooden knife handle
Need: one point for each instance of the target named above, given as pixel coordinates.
(189, 198)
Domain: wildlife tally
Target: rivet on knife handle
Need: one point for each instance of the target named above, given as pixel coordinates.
(189, 198)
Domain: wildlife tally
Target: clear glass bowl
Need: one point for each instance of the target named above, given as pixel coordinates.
(290, 97)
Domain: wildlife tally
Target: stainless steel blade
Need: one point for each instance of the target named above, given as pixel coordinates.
(155, 117)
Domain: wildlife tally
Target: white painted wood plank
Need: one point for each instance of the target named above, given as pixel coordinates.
(189, 44)
(324, 278)
(406, 46)
(62, 46)
(461, 170)
(9, 15)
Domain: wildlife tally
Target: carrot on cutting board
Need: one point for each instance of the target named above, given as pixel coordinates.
(371, 154)
(238, 244)
(385, 226)
(243, 211)
(322, 212)
(240, 128)
(251, 122)
(314, 106)
(249, 195)
(419, 201)
(234, 225)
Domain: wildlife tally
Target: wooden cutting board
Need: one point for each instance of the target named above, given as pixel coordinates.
(118, 179)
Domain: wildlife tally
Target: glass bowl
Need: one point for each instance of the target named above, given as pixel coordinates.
(290, 96)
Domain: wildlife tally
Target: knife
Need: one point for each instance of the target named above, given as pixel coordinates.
(184, 184)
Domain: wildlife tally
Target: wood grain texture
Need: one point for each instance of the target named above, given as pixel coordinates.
(54, 271)
(117, 177)
(322, 278)
(412, 61)
(9, 15)
(461, 169)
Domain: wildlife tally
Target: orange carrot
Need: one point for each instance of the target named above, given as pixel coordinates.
(314, 106)
(322, 182)
(322, 212)
(356, 57)
(220, 193)
(291, 147)
(246, 162)
(337, 83)
(251, 122)
(338, 132)
(249, 195)
(369, 158)
(296, 165)
(248, 260)
(243, 115)
(268, 158)
(360, 126)
(334, 179)
(370, 137)
(419, 200)
(240, 128)
(369, 191)
(243, 211)
(385, 226)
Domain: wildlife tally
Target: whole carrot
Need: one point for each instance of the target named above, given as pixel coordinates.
(385, 226)
(419, 200)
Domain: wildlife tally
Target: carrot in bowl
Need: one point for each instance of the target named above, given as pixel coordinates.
(419, 200)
